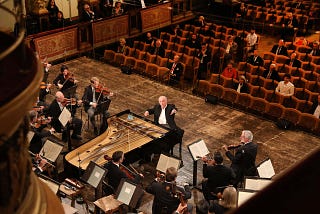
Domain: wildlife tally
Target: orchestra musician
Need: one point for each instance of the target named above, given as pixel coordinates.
(175, 70)
(115, 173)
(243, 161)
(218, 176)
(54, 112)
(166, 199)
(65, 79)
(164, 114)
(92, 98)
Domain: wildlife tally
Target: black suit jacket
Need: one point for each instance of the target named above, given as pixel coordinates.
(315, 52)
(177, 71)
(218, 176)
(114, 175)
(160, 52)
(258, 62)
(296, 63)
(274, 75)
(88, 97)
(283, 50)
(156, 111)
(54, 111)
(61, 80)
(243, 162)
(193, 43)
(243, 89)
(163, 196)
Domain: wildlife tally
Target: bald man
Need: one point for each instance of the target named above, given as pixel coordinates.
(54, 112)
(164, 114)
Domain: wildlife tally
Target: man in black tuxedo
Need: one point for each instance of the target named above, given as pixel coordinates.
(176, 70)
(157, 49)
(255, 59)
(165, 193)
(164, 114)
(115, 174)
(54, 112)
(218, 176)
(289, 26)
(94, 101)
(204, 56)
(271, 73)
(293, 61)
(315, 51)
(87, 14)
(193, 42)
(243, 162)
(280, 49)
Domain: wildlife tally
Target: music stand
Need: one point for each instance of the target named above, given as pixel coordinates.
(52, 184)
(197, 150)
(165, 162)
(255, 183)
(244, 195)
(103, 106)
(50, 150)
(70, 92)
(265, 169)
(93, 176)
(129, 193)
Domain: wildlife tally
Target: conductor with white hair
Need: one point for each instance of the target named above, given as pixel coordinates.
(244, 158)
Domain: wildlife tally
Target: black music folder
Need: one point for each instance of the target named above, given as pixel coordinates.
(94, 174)
(129, 193)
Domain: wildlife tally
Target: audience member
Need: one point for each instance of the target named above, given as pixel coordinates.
(315, 110)
(200, 22)
(157, 49)
(285, 87)
(149, 39)
(205, 56)
(230, 71)
(87, 14)
(206, 31)
(193, 42)
(243, 160)
(251, 39)
(315, 49)
(117, 10)
(289, 26)
(231, 49)
(218, 176)
(255, 59)
(122, 47)
(176, 31)
(227, 203)
(106, 7)
(60, 21)
(293, 61)
(280, 49)
(53, 11)
(301, 41)
(271, 73)
(242, 86)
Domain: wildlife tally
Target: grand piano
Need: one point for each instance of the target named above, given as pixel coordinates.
(127, 132)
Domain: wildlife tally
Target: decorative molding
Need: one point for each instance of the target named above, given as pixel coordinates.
(156, 17)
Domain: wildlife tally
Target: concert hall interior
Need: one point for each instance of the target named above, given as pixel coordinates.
(148, 106)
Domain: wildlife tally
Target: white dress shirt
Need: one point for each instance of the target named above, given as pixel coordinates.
(162, 117)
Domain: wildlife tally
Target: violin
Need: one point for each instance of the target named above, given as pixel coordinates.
(103, 90)
(234, 146)
(41, 121)
(44, 85)
(67, 101)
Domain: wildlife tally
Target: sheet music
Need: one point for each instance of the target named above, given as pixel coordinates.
(243, 196)
(53, 186)
(65, 116)
(143, 5)
(198, 149)
(30, 136)
(256, 183)
(265, 169)
(126, 193)
(165, 162)
(68, 209)
(96, 176)
(50, 150)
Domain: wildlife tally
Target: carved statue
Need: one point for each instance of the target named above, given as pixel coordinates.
(39, 7)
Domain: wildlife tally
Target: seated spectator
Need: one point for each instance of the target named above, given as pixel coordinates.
(285, 87)
(60, 21)
(301, 41)
(271, 73)
(122, 47)
(200, 22)
(149, 39)
(87, 14)
(293, 61)
(175, 70)
(227, 203)
(206, 31)
(298, 5)
(53, 11)
(193, 42)
(106, 7)
(242, 86)
(176, 31)
(289, 26)
(251, 39)
(315, 110)
(204, 56)
(315, 49)
(231, 49)
(157, 49)
(230, 71)
(255, 59)
(117, 10)
(280, 49)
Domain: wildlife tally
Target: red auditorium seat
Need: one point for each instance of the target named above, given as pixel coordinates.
(258, 105)
(307, 122)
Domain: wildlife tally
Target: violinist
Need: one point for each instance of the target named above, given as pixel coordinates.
(217, 176)
(65, 79)
(40, 132)
(166, 200)
(44, 90)
(54, 112)
(243, 161)
(94, 96)
(116, 171)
